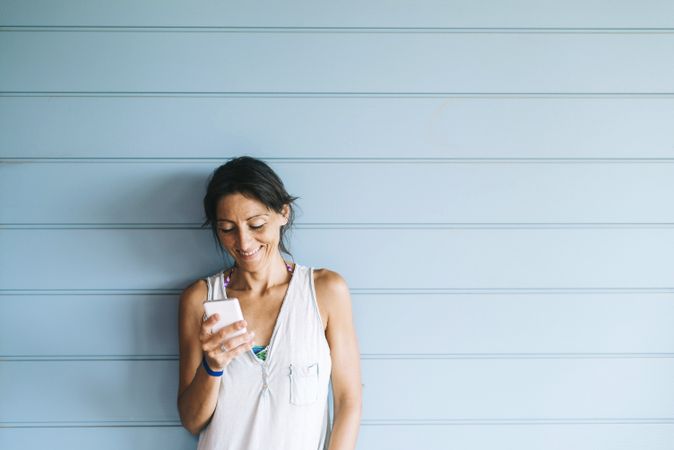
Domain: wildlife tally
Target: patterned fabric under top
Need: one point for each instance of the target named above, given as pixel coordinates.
(260, 351)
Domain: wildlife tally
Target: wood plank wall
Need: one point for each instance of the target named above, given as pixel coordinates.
(504, 168)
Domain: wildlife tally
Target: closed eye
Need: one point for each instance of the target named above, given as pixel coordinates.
(227, 230)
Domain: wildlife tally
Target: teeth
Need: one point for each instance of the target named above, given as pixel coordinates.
(251, 253)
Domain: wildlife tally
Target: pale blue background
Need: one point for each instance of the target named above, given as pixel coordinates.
(492, 178)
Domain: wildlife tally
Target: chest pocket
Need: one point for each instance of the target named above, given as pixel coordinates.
(303, 383)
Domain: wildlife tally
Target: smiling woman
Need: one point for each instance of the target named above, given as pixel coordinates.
(246, 226)
(237, 395)
(253, 179)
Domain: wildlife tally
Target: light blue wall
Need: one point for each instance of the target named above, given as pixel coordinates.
(493, 179)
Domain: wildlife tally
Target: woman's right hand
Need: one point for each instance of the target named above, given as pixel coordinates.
(211, 343)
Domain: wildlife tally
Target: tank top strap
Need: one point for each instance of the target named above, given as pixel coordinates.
(303, 302)
(210, 288)
(212, 282)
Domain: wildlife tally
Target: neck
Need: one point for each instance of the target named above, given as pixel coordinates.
(262, 279)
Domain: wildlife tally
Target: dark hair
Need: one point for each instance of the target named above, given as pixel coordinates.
(252, 178)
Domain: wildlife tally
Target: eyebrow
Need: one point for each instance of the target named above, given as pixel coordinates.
(251, 217)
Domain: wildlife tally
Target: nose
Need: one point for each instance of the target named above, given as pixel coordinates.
(244, 239)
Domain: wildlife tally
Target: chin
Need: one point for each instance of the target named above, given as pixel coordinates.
(252, 263)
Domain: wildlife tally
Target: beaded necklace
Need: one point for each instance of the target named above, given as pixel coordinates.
(225, 283)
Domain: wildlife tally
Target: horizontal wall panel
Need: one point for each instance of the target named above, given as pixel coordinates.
(517, 323)
(368, 258)
(124, 324)
(521, 437)
(88, 391)
(540, 324)
(518, 389)
(397, 437)
(469, 127)
(477, 389)
(100, 438)
(336, 62)
(170, 192)
(401, 13)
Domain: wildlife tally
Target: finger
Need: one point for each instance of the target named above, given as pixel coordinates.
(223, 359)
(233, 353)
(234, 327)
(239, 340)
(215, 341)
(207, 324)
(225, 331)
(212, 319)
(211, 341)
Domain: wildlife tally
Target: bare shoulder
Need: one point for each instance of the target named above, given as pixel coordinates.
(192, 298)
(191, 309)
(326, 279)
(332, 293)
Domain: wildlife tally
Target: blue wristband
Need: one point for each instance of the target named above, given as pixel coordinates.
(213, 373)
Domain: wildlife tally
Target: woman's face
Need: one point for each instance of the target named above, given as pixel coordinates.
(249, 231)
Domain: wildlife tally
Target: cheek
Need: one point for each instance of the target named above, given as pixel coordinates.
(270, 235)
(226, 240)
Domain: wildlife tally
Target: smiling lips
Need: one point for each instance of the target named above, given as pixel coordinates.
(251, 253)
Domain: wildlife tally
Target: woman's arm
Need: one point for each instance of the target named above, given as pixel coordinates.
(333, 292)
(197, 391)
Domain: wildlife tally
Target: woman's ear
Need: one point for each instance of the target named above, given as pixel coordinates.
(285, 212)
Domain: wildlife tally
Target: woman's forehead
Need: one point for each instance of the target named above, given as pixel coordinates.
(241, 207)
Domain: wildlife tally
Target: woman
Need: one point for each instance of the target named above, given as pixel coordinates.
(266, 389)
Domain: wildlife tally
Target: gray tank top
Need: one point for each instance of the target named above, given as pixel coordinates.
(280, 403)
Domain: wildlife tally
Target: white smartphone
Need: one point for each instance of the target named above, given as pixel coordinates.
(229, 310)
